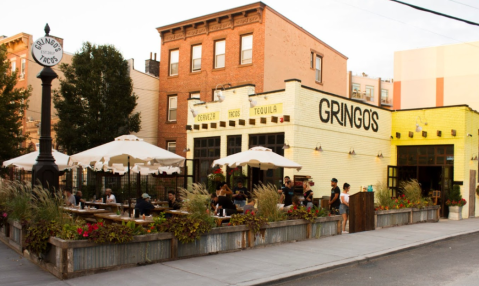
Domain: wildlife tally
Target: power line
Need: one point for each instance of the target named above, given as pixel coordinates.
(380, 15)
(464, 4)
(436, 13)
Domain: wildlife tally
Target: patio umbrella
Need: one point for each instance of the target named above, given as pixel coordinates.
(124, 147)
(126, 151)
(259, 157)
(27, 161)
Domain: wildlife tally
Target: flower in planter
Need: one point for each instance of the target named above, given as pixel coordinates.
(85, 234)
(5, 215)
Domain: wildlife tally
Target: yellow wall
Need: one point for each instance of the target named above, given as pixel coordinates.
(304, 132)
(460, 118)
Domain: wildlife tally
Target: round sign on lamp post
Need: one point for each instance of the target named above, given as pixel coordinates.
(47, 52)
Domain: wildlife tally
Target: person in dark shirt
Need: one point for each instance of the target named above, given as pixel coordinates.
(173, 203)
(143, 205)
(240, 193)
(286, 180)
(288, 192)
(223, 203)
(78, 198)
(334, 199)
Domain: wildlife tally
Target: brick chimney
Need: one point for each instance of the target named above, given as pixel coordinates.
(152, 66)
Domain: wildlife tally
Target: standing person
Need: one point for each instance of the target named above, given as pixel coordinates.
(69, 198)
(287, 196)
(334, 199)
(344, 207)
(308, 195)
(223, 187)
(240, 193)
(173, 203)
(110, 198)
(286, 180)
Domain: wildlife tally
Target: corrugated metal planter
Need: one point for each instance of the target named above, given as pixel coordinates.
(16, 235)
(68, 259)
(398, 217)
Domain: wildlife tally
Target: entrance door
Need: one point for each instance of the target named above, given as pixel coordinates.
(472, 193)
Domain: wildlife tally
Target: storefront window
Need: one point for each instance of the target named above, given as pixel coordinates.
(425, 155)
(206, 150)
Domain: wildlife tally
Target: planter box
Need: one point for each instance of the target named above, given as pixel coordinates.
(393, 217)
(455, 213)
(389, 218)
(68, 259)
(427, 214)
(5, 232)
(16, 235)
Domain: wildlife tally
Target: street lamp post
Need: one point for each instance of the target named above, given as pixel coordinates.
(47, 52)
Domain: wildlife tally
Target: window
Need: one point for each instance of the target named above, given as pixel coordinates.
(206, 150)
(14, 66)
(369, 93)
(318, 68)
(356, 87)
(174, 58)
(220, 54)
(384, 96)
(246, 49)
(195, 94)
(171, 146)
(196, 58)
(233, 144)
(172, 105)
(22, 68)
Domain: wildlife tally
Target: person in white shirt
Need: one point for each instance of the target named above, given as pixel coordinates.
(110, 198)
(344, 206)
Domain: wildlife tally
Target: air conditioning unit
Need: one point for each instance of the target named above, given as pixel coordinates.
(22, 76)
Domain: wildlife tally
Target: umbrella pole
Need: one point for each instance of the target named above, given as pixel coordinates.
(129, 189)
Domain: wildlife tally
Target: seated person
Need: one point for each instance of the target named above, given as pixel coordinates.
(249, 206)
(143, 205)
(110, 198)
(240, 193)
(296, 203)
(173, 203)
(223, 203)
(69, 198)
(78, 198)
(223, 187)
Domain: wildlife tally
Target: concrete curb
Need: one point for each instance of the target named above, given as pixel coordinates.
(311, 271)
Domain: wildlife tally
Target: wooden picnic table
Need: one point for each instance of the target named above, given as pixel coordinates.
(84, 213)
(119, 219)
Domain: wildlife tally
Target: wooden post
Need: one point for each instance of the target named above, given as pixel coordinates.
(174, 248)
(339, 226)
(309, 230)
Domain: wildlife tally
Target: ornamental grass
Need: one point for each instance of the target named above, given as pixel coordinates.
(268, 199)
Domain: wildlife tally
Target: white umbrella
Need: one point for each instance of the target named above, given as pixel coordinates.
(111, 156)
(28, 160)
(259, 157)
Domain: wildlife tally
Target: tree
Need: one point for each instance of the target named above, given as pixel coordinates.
(13, 102)
(95, 100)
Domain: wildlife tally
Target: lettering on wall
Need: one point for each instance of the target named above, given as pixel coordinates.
(206, 117)
(266, 110)
(331, 111)
(234, 113)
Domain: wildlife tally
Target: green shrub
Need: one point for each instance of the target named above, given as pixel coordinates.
(309, 214)
(268, 199)
(197, 202)
(250, 219)
(38, 234)
(186, 228)
(455, 193)
(383, 195)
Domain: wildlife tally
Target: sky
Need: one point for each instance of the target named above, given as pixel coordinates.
(368, 32)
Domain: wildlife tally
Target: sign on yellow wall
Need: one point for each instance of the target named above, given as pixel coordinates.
(234, 113)
(266, 110)
(206, 117)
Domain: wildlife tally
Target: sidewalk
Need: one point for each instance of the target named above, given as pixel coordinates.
(256, 266)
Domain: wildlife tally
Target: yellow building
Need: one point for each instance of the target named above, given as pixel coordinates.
(332, 136)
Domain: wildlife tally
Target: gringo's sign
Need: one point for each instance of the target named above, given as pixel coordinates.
(47, 51)
(331, 111)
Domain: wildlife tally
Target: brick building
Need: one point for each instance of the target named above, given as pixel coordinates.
(21, 60)
(248, 45)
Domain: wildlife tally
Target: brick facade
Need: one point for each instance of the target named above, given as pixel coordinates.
(231, 25)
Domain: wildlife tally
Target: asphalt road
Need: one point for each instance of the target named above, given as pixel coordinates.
(449, 262)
